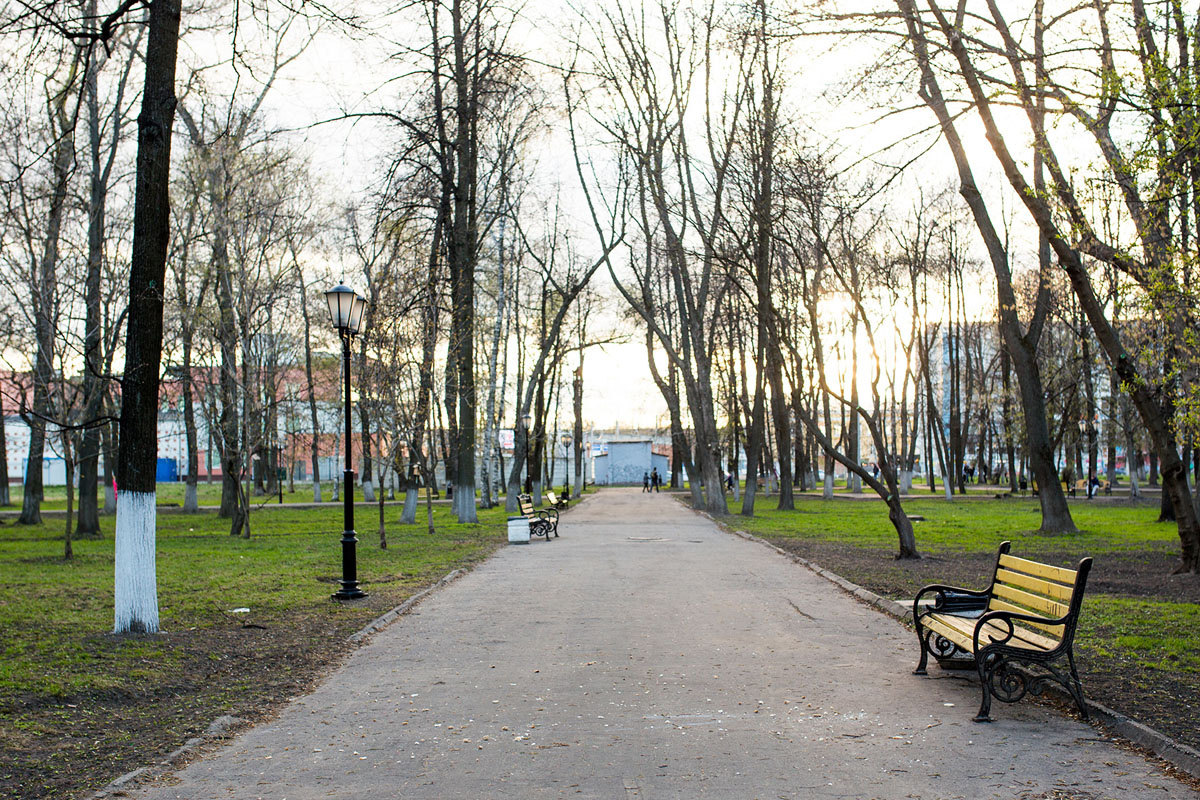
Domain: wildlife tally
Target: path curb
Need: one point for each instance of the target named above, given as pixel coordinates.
(221, 728)
(1178, 755)
(383, 620)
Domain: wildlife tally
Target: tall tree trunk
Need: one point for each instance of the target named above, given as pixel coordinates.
(5, 494)
(191, 502)
(364, 417)
(577, 408)
(45, 299)
(1056, 517)
(228, 430)
(93, 390)
(312, 394)
(135, 584)
(754, 432)
(1006, 416)
(69, 463)
(464, 243)
(108, 445)
(853, 433)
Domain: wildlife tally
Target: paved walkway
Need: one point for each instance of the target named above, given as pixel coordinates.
(647, 654)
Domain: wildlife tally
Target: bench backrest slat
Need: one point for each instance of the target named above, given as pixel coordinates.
(1000, 605)
(1038, 569)
(526, 506)
(1030, 602)
(1035, 585)
(1021, 586)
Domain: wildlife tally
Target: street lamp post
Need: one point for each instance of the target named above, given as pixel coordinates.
(279, 471)
(346, 313)
(526, 419)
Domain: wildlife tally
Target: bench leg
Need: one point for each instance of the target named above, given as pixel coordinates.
(984, 666)
(1076, 686)
(922, 636)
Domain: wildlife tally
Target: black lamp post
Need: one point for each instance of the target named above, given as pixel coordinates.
(279, 471)
(346, 313)
(526, 419)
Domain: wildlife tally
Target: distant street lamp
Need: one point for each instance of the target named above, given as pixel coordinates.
(565, 439)
(346, 313)
(526, 421)
(279, 470)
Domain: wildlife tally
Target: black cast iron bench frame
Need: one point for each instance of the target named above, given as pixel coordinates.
(541, 523)
(1016, 632)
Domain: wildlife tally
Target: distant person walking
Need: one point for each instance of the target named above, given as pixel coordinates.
(655, 479)
(645, 481)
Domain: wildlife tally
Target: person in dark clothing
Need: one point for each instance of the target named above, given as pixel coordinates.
(645, 481)
(655, 479)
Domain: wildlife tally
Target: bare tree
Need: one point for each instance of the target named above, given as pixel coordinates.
(1020, 347)
(1154, 400)
(651, 79)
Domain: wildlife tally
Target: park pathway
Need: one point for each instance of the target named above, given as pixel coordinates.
(647, 654)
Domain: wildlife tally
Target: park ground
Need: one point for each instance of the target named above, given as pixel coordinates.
(79, 707)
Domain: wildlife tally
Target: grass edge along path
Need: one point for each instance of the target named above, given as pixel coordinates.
(1139, 638)
(247, 626)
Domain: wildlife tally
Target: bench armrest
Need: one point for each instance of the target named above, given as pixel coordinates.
(949, 599)
(1006, 619)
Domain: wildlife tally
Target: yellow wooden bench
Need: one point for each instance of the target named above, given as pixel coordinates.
(1103, 486)
(541, 523)
(555, 500)
(1016, 631)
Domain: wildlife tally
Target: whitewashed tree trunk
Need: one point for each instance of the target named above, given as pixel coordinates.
(135, 596)
(409, 515)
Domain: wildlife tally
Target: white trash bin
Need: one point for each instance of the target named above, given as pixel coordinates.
(518, 530)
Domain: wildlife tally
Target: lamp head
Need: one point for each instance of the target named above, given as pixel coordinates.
(357, 312)
(341, 303)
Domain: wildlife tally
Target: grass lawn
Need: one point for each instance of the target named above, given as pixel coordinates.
(1139, 636)
(79, 706)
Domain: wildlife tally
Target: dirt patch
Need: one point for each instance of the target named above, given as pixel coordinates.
(69, 746)
(1166, 701)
